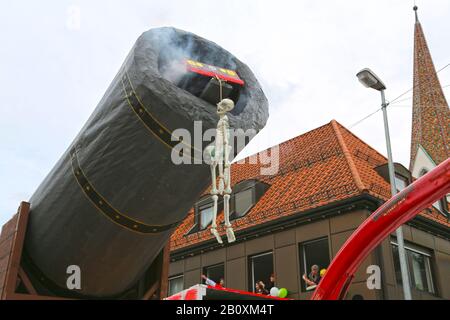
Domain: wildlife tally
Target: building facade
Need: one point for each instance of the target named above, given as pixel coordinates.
(327, 183)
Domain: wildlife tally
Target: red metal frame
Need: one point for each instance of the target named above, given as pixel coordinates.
(213, 71)
(213, 74)
(257, 295)
(200, 292)
(398, 210)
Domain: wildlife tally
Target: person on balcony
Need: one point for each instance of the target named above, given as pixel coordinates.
(313, 279)
(212, 283)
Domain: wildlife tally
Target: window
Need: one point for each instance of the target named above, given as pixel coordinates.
(203, 213)
(438, 204)
(260, 268)
(245, 195)
(176, 284)
(419, 266)
(423, 172)
(243, 202)
(215, 273)
(206, 214)
(315, 252)
(400, 183)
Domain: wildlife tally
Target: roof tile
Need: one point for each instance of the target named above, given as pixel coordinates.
(322, 166)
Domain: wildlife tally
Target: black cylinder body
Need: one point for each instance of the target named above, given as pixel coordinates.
(110, 203)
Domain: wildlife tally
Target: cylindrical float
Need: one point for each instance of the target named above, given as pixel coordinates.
(112, 201)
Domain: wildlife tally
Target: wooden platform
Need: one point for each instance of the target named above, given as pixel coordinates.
(11, 244)
(12, 274)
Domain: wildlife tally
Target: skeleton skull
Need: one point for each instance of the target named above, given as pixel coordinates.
(225, 106)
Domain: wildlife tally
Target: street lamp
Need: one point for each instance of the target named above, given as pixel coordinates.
(370, 80)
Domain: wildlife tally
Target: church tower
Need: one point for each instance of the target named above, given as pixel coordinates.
(430, 140)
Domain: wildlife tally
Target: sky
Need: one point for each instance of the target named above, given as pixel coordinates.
(58, 57)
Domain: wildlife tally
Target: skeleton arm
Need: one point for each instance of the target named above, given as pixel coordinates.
(226, 142)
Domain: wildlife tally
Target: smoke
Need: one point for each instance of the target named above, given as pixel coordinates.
(176, 46)
(174, 71)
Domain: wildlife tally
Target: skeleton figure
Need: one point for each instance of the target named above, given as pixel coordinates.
(220, 156)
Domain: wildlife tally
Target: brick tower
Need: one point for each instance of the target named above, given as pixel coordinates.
(430, 141)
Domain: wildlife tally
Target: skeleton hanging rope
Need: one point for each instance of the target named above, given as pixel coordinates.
(219, 154)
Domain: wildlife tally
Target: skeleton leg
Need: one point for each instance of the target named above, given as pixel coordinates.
(227, 171)
(215, 198)
(219, 160)
(221, 175)
(213, 166)
(226, 209)
(227, 193)
(214, 221)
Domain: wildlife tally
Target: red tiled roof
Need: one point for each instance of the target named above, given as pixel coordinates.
(320, 167)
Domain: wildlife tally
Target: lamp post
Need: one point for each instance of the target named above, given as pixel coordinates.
(370, 80)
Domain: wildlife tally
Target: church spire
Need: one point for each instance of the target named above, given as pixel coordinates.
(415, 12)
(431, 114)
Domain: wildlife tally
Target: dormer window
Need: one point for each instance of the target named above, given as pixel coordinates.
(205, 215)
(245, 195)
(402, 175)
(400, 182)
(243, 201)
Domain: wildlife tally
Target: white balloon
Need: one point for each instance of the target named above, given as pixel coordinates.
(274, 292)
